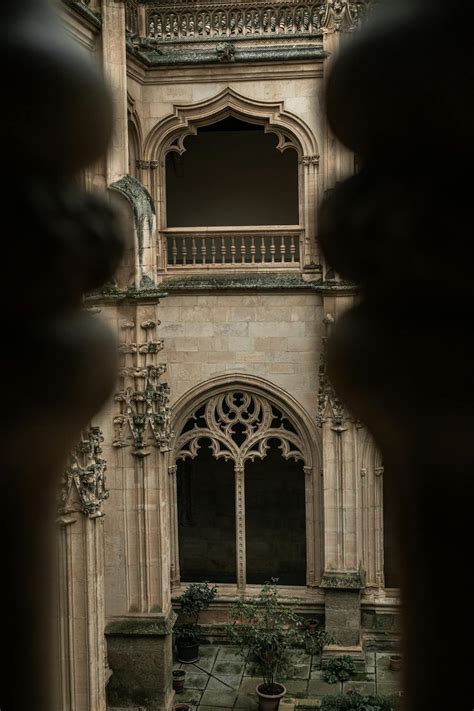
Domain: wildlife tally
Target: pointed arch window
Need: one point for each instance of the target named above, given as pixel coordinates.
(244, 491)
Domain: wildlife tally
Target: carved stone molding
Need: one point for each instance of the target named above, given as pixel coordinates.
(170, 133)
(84, 478)
(144, 418)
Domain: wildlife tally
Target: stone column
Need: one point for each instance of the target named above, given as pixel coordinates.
(114, 61)
(80, 545)
(342, 579)
(60, 244)
(401, 360)
(139, 632)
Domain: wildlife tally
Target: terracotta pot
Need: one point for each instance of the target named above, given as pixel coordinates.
(267, 702)
(312, 626)
(178, 680)
(395, 663)
(181, 707)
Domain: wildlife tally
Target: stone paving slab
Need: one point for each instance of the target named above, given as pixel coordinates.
(226, 682)
(230, 654)
(300, 671)
(221, 699)
(318, 687)
(247, 702)
(227, 668)
(296, 688)
(196, 680)
(189, 696)
(250, 683)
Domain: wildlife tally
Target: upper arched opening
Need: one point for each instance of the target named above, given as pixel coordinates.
(231, 173)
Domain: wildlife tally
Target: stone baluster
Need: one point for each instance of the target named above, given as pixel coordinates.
(400, 359)
(58, 364)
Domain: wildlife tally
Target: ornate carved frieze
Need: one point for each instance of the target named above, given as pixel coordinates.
(85, 476)
(144, 418)
(182, 21)
(239, 426)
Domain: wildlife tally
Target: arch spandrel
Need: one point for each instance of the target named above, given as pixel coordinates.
(171, 132)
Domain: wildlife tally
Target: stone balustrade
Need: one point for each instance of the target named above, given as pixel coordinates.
(222, 248)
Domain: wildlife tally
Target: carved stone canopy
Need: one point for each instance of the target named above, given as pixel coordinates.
(83, 483)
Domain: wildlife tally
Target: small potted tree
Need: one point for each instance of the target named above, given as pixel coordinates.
(193, 601)
(264, 628)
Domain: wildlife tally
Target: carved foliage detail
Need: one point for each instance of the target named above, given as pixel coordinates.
(239, 426)
(145, 417)
(85, 474)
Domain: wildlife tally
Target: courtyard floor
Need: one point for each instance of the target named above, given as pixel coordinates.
(220, 679)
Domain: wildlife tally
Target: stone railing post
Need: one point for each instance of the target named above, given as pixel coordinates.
(401, 359)
(57, 366)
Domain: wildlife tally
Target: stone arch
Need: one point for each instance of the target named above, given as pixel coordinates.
(170, 132)
(292, 131)
(293, 427)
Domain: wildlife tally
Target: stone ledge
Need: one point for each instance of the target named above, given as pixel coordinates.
(183, 56)
(159, 626)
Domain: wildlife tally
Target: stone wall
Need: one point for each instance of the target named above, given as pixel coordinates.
(275, 336)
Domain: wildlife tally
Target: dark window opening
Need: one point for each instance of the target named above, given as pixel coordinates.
(232, 174)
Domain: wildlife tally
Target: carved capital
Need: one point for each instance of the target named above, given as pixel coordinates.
(342, 580)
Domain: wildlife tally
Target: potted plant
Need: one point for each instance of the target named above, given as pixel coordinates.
(193, 601)
(264, 628)
(178, 680)
(395, 662)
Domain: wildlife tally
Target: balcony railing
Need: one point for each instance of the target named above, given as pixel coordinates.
(231, 248)
(208, 21)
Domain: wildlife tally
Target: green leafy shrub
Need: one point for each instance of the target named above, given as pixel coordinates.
(196, 598)
(358, 702)
(339, 669)
(263, 627)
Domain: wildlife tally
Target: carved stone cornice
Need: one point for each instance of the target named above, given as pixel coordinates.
(144, 418)
(83, 480)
